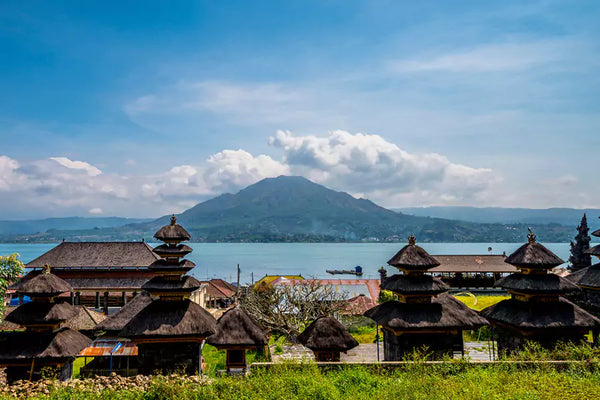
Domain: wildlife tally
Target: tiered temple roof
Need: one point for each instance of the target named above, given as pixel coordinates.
(536, 309)
(589, 278)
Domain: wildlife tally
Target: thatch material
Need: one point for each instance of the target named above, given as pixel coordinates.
(164, 265)
(468, 263)
(97, 255)
(172, 232)
(235, 328)
(421, 284)
(413, 257)
(595, 251)
(43, 285)
(534, 255)
(159, 283)
(116, 322)
(444, 312)
(64, 343)
(542, 284)
(540, 315)
(327, 334)
(164, 250)
(85, 320)
(596, 233)
(586, 277)
(41, 313)
(171, 319)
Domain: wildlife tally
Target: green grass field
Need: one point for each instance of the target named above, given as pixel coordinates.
(480, 302)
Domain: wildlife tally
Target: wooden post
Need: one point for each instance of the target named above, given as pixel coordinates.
(237, 291)
(106, 303)
(77, 298)
(97, 300)
(123, 299)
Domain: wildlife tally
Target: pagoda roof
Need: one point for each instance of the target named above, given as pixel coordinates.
(327, 334)
(595, 251)
(41, 313)
(182, 318)
(172, 232)
(97, 255)
(444, 312)
(164, 265)
(164, 250)
(413, 257)
(235, 328)
(85, 319)
(45, 284)
(63, 343)
(534, 255)
(420, 284)
(117, 321)
(539, 315)
(546, 283)
(596, 233)
(586, 277)
(159, 283)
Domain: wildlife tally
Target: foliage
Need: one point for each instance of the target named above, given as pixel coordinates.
(10, 269)
(579, 259)
(286, 309)
(385, 295)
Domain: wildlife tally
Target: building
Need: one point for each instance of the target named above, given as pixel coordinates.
(537, 310)
(471, 271)
(588, 279)
(219, 293)
(349, 288)
(424, 314)
(327, 338)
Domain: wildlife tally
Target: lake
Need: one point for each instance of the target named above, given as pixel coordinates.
(219, 260)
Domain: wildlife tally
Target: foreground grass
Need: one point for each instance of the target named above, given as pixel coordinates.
(448, 381)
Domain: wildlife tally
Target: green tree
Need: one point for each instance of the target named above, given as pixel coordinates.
(579, 258)
(10, 269)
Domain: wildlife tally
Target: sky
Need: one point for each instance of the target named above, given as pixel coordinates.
(140, 109)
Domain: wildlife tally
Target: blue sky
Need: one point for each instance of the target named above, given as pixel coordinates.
(142, 108)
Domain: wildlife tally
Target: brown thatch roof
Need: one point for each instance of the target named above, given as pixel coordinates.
(538, 315)
(596, 233)
(159, 283)
(443, 312)
(172, 232)
(422, 284)
(171, 318)
(97, 255)
(85, 320)
(235, 328)
(44, 284)
(466, 263)
(41, 313)
(116, 322)
(63, 343)
(412, 256)
(165, 250)
(534, 255)
(595, 251)
(546, 283)
(327, 334)
(164, 265)
(586, 277)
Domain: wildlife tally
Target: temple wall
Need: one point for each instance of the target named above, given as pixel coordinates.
(174, 357)
(396, 348)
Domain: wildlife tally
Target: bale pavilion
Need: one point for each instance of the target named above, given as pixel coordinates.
(327, 338)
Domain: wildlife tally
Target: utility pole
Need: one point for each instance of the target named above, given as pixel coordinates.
(237, 293)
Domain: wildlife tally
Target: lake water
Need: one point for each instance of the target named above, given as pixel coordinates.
(219, 260)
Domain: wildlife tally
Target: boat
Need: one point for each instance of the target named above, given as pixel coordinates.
(356, 271)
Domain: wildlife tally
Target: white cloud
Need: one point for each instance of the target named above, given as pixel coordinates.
(96, 211)
(79, 165)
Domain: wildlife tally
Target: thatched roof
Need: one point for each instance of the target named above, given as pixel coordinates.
(546, 283)
(539, 315)
(595, 251)
(327, 334)
(41, 313)
(171, 318)
(444, 312)
(159, 283)
(97, 255)
(596, 233)
(63, 343)
(467, 263)
(44, 284)
(164, 265)
(165, 250)
(534, 255)
(85, 320)
(172, 232)
(235, 328)
(421, 284)
(586, 277)
(116, 322)
(413, 257)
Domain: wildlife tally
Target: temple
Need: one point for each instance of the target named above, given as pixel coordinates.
(327, 338)
(537, 310)
(46, 347)
(423, 315)
(170, 329)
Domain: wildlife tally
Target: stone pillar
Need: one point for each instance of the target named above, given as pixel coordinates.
(72, 298)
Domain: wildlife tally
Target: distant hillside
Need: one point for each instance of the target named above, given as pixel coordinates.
(68, 223)
(562, 216)
(294, 209)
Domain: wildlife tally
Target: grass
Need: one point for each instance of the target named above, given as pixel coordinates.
(478, 303)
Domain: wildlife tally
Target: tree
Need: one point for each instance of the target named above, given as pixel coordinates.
(579, 258)
(286, 309)
(10, 269)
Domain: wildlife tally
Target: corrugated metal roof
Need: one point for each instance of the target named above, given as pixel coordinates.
(103, 347)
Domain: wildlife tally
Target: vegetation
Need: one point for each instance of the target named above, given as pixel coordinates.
(579, 259)
(478, 303)
(10, 269)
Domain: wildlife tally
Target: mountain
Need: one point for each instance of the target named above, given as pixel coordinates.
(292, 209)
(562, 216)
(68, 223)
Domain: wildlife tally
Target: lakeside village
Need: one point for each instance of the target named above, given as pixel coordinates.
(98, 309)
